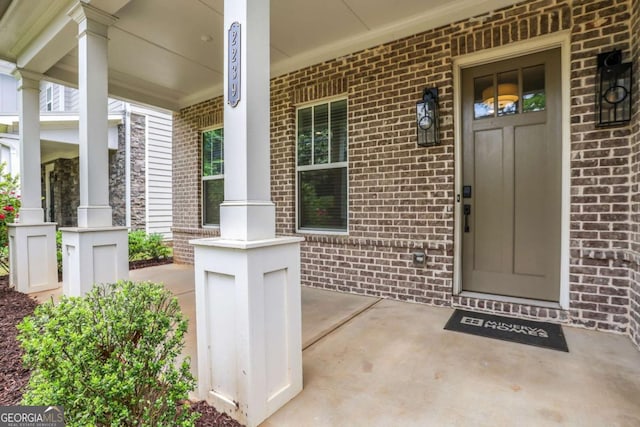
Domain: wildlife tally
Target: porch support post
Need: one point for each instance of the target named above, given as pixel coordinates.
(32, 242)
(95, 251)
(248, 280)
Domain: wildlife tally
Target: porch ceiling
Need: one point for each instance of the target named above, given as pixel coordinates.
(169, 53)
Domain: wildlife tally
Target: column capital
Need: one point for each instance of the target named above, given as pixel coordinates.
(82, 11)
(27, 79)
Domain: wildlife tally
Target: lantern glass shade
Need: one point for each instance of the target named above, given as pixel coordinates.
(427, 118)
(613, 90)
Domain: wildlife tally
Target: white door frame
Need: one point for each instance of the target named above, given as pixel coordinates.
(561, 40)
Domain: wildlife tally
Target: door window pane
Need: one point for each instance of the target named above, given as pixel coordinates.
(507, 93)
(322, 200)
(533, 91)
(483, 105)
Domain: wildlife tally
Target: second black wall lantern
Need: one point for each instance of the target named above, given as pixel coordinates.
(427, 118)
(613, 90)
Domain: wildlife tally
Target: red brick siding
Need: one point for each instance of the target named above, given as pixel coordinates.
(401, 196)
(187, 175)
(634, 318)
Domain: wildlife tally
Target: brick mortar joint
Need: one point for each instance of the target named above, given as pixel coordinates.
(625, 255)
(387, 243)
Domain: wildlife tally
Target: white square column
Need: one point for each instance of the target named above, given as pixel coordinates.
(33, 264)
(248, 325)
(93, 252)
(93, 255)
(248, 281)
(32, 242)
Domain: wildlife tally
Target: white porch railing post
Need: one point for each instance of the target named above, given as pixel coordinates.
(32, 242)
(95, 251)
(248, 280)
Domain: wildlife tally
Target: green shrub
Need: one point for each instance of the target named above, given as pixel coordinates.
(137, 244)
(9, 206)
(59, 250)
(143, 246)
(110, 357)
(155, 246)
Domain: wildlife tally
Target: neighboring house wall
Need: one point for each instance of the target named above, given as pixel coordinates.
(158, 165)
(401, 197)
(8, 94)
(150, 167)
(634, 323)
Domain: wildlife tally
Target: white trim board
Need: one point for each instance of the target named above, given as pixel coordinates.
(537, 44)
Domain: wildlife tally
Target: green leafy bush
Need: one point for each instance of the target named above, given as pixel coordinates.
(59, 250)
(147, 246)
(110, 357)
(9, 206)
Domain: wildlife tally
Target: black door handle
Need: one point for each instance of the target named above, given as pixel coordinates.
(467, 212)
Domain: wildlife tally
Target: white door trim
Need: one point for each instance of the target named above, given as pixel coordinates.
(561, 40)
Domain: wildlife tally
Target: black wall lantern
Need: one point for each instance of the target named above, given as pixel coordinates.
(613, 90)
(427, 118)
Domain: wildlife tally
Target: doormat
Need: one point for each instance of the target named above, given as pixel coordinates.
(540, 334)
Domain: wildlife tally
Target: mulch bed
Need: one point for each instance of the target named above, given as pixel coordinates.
(14, 306)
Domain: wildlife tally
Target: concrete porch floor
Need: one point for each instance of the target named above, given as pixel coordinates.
(370, 362)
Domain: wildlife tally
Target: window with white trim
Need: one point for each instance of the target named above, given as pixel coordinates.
(212, 175)
(49, 98)
(321, 167)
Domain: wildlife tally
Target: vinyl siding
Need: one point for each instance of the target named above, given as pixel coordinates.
(158, 171)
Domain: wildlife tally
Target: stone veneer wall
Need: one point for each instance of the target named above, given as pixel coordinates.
(634, 318)
(66, 181)
(401, 196)
(117, 175)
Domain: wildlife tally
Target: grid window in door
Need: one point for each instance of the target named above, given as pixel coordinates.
(212, 175)
(322, 167)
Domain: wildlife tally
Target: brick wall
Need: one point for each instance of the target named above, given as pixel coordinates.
(634, 318)
(401, 196)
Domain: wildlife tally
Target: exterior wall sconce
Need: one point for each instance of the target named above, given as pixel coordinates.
(613, 90)
(427, 118)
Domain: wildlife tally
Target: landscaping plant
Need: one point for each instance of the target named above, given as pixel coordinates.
(110, 357)
(9, 205)
(147, 246)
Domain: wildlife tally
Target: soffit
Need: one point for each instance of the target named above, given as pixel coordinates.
(169, 53)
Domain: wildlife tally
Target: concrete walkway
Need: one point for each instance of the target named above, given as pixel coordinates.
(369, 362)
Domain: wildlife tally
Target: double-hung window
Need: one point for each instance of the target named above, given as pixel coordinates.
(322, 200)
(212, 175)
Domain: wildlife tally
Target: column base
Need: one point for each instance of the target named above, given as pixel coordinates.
(248, 325)
(93, 255)
(32, 216)
(94, 216)
(247, 221)
(33, 263)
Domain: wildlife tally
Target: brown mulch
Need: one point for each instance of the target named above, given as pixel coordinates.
(13, 376)
(14, 306)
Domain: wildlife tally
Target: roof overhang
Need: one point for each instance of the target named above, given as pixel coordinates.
(169, 54)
